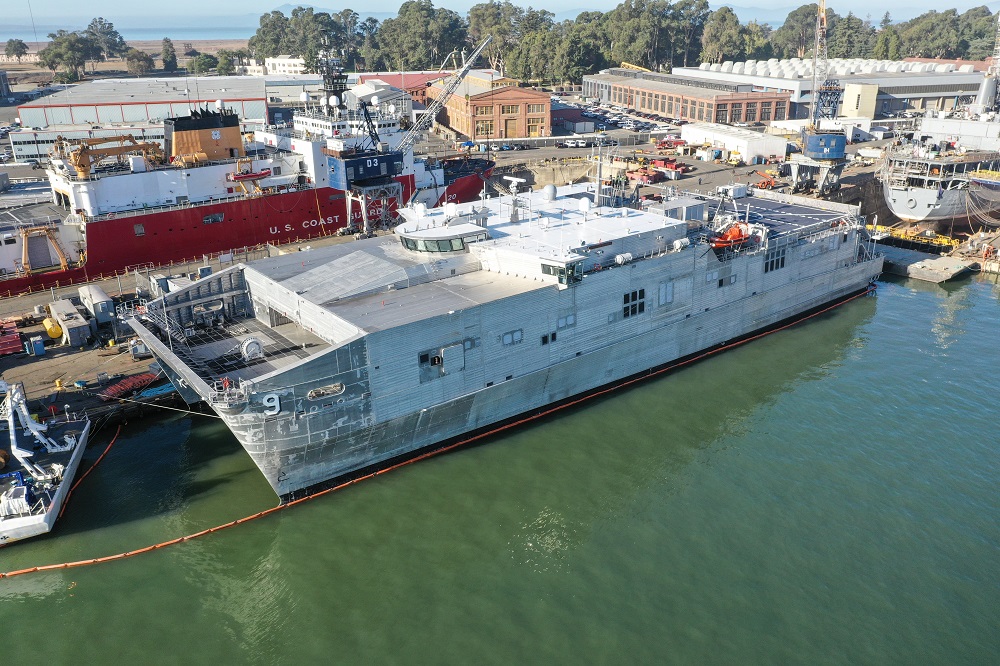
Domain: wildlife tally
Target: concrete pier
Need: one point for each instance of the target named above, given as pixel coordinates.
(923, 266)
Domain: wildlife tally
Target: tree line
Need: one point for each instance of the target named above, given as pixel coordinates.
(933, 34)
(70, 51)
(529, 44)
(657, 34)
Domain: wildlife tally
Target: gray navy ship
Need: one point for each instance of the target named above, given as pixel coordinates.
(344, 358)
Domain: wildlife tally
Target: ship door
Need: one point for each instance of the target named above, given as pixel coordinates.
(275, 318)
(510, 127)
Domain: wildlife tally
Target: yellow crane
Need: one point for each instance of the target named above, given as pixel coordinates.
(28, 232)
(638, 68)
(83, 154)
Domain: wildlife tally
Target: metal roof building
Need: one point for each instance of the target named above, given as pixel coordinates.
(118, 101)
(901, 85)
(111, 101)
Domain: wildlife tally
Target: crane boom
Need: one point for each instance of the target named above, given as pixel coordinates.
(637, 68)
(826, 92)
(83, 154)
(450, 86)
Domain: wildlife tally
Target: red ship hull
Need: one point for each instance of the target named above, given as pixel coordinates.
(186, 234)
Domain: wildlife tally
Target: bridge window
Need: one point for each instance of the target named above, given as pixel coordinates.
(447, 245)
(568, 274)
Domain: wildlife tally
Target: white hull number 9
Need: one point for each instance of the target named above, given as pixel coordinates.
(272, 404)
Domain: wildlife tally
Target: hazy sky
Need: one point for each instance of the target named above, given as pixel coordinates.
(61, 11)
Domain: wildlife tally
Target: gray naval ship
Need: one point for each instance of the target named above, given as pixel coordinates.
(347, 357)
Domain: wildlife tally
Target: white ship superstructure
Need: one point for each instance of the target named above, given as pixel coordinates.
(330, 361)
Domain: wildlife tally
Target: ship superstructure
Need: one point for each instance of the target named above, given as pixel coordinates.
(117, 203)
(344, 357)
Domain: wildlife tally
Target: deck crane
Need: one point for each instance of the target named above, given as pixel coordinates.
(84, 154)
(450, 86)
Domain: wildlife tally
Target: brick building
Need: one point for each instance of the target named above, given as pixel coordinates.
(489, 106)
(686, 98)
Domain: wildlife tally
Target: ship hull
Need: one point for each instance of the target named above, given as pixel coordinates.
(120, 242)
(410, 452)
(913, 204)
(294, 461)
(396, 350)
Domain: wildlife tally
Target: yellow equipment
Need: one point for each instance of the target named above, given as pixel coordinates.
(52, 329)
(83, 154)
(26, 232)
(767, 181)
(637, 68)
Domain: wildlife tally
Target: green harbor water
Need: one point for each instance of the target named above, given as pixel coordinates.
(825, 495)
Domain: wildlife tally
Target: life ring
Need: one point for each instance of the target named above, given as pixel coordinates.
(911, 203)
(989, 251)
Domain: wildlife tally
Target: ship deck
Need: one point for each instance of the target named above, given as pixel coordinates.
(377, 285)
(58, 427)
(782, 217)
(218, 350)
(12, 219)
(899, 159)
